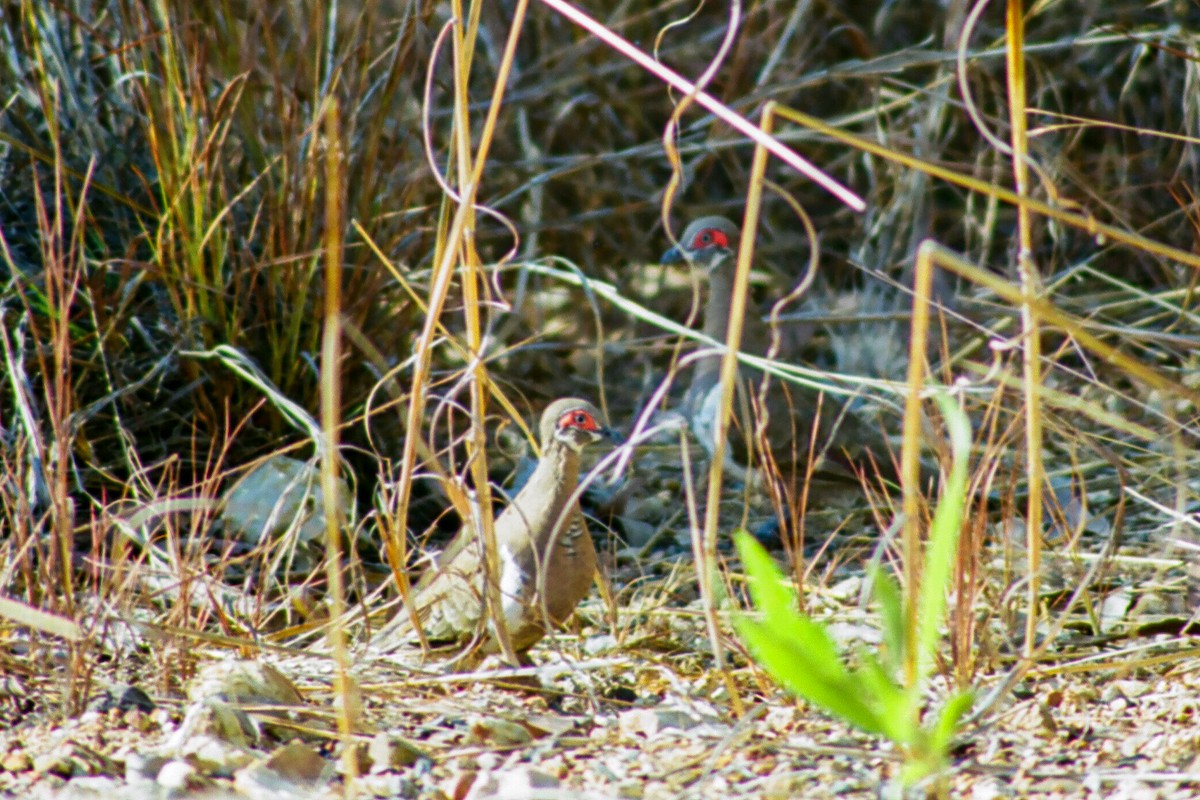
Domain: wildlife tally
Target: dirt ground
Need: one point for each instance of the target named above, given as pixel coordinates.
(633, 712)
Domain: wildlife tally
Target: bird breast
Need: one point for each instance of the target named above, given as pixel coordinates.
(514, 588)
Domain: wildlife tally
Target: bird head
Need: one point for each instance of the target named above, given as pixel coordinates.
(708, 242)
(575, 423)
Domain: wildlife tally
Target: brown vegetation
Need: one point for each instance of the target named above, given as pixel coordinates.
(178, 182)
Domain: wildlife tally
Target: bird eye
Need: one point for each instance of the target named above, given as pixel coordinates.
(581, 418)
(704, 238)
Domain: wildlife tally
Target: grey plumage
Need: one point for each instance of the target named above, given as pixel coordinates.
(710, 245)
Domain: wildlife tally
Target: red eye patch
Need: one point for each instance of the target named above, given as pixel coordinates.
(709, 237)
(578, 419)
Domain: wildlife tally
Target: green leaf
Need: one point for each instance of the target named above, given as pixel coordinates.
(773, 595)
(797, 651)
(768, 588)
(943, 733)
(891, 703)
(793, 668)
(891, 611)
(943, 533)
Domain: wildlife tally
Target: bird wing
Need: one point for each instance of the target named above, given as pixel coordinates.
(447, 599)
(450, 602)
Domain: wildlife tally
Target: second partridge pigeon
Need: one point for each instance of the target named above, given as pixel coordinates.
(710, 245)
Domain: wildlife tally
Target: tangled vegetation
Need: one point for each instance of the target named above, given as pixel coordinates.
(382, 237)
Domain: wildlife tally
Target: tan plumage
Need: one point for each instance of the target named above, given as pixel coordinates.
(541, 541)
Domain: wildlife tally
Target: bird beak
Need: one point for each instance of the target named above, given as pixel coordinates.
(673, 256)
(612, 434)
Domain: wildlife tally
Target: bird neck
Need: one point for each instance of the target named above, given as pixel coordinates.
(720, 299)
(716, 320)
(559, 459)
(554, 480)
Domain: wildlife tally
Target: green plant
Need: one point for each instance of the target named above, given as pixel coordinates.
(874, 696)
